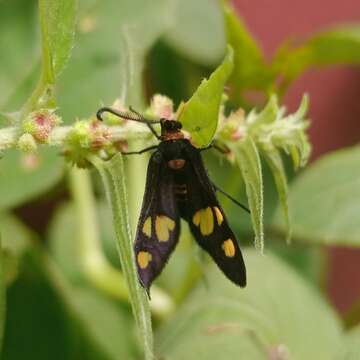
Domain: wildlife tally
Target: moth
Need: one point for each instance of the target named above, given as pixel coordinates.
(178, 186)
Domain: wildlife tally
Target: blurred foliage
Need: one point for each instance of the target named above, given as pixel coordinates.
(336, 174)
(77, 56)
(71, 322)
(2, 296)
(350, 349)
(222, 322)
(38, 172)
(187, 34)
(19, 36)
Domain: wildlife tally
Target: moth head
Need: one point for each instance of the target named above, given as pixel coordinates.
(171, 130)
(168, 125)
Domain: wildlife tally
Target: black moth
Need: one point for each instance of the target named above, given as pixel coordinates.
(178, 186)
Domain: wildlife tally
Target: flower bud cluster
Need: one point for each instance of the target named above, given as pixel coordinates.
(86, 137)
(40, 123)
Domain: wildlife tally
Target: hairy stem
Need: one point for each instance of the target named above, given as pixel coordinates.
(98, 270)
(10, 135)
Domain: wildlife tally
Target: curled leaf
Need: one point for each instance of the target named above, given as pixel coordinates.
(248, 160)
(200, 114)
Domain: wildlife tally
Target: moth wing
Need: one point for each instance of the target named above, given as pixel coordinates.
(159, 224)
(208, 222)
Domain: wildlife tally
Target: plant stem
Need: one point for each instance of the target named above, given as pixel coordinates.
(97, 268)
(136, 171)
(46, 56)
(10, 135)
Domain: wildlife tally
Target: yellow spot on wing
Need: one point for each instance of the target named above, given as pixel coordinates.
(206, 221)
(196, 218)
(229, 248)
(163, 225)
(143, 259)
(147, 227)
(219, 215)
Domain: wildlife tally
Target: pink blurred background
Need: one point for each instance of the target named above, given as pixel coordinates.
(335, 101)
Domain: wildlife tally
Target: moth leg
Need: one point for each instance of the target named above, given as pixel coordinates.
(207, 147)
(153, 147)
(216, 147)
(231, 198)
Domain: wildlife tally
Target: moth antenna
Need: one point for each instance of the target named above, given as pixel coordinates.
(136, 112)
(133, 115)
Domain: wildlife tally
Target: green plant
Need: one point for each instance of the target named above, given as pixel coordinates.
(69, 291)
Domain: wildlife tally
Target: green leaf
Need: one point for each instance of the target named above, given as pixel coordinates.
(267, 116)
(268, 319)
(198, 31)
(18, 45)
(107, 326)
(15, 238)
(42, 308)
(250, 70)
(64, 247)
(351, 346)
(24, 177)
(248, 160)
(268, 131)
(57, 23)
(106, 70)
(57, 20)
(273, 131)
(201, 112)
(310, 262)
(324, 200)
(112, 174)
(276, 165)
(64, 244)
(83, 324)
(337, 45)
(2, 295)
(74, 313)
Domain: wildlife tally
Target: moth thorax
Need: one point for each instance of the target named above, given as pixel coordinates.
(176, 164)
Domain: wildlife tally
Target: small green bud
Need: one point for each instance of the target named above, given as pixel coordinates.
(27, 143)
(80, 134)
(29, 126)
(86, 137)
